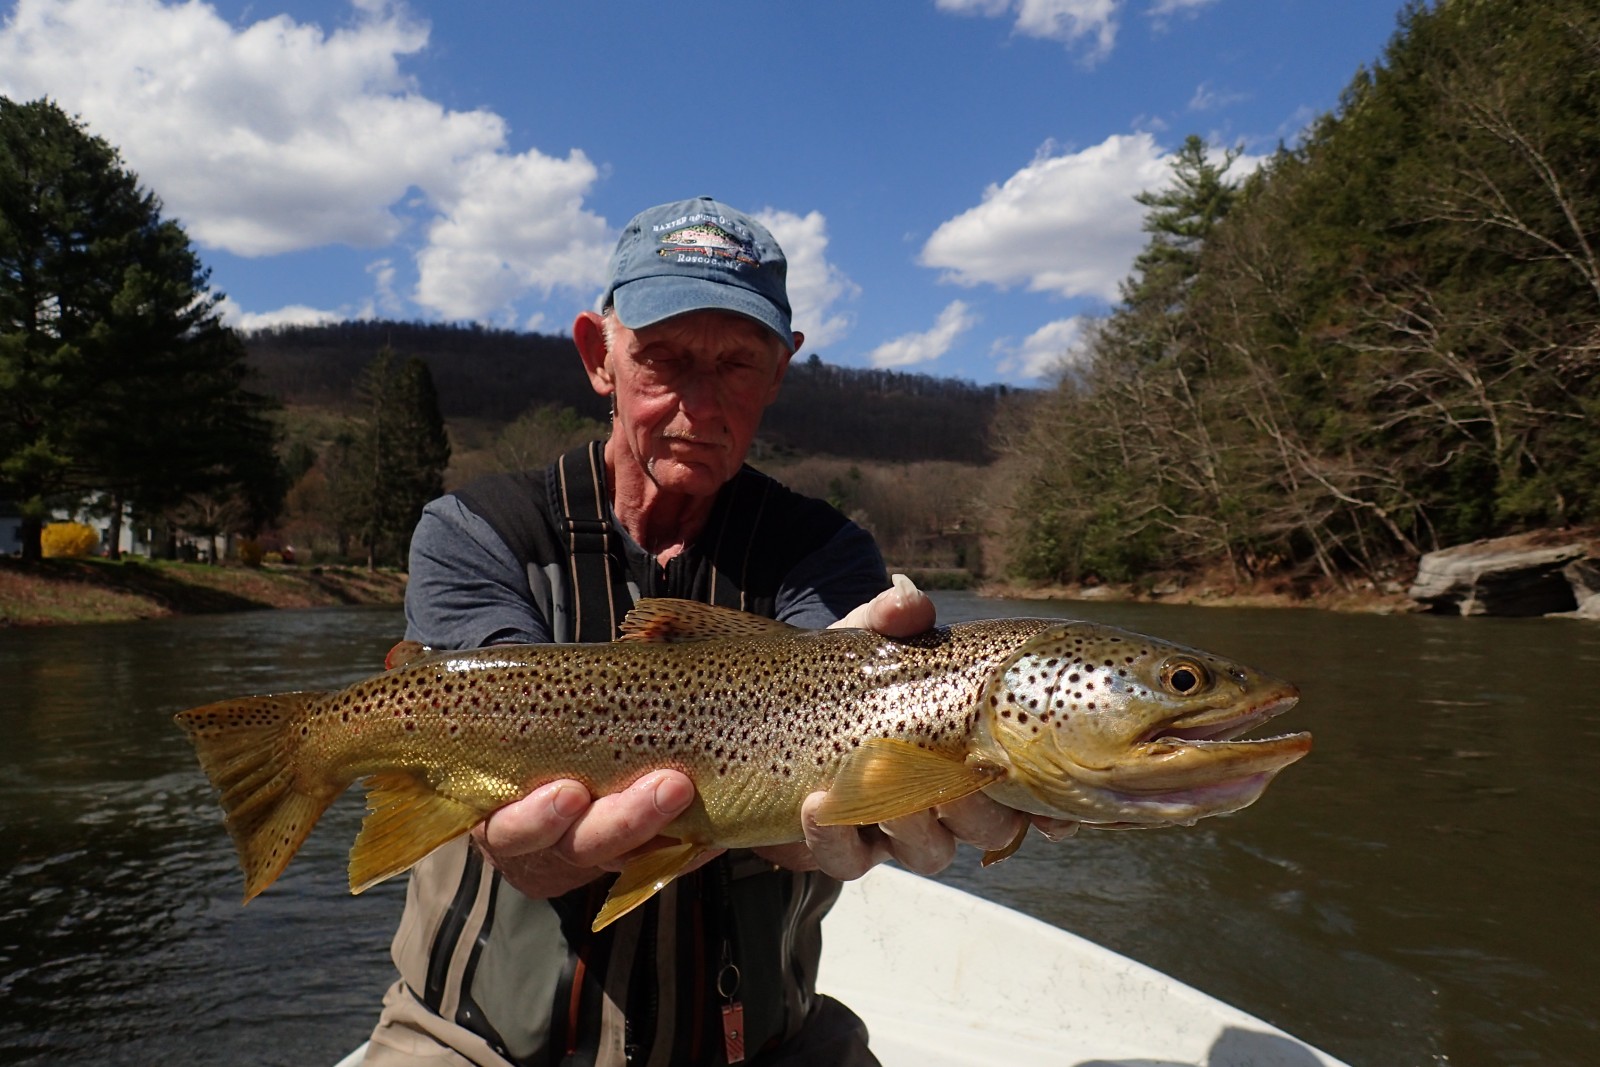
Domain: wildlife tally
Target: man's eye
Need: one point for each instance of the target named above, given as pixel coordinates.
(742, 365)
(661, 364)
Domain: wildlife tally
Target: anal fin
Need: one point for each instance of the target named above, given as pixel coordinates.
(886, 778)
(406, 820)
(644, 877)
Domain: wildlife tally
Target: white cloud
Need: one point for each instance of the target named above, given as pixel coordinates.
(278, 136)
(512, 224)
(1064, 224)
(1207, 98)
(1043, 352)
(292, 315)
(955, 320)
(815, 285)
(384, 298)
(1162, 10)
(1089, 22)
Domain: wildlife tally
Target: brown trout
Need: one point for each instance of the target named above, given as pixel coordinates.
(1072, 720)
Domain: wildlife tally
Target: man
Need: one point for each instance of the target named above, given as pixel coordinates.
(496, 959)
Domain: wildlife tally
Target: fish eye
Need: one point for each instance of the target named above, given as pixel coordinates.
(1185, 677)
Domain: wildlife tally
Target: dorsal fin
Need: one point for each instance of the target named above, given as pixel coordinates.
(404, 653)
(669, 621)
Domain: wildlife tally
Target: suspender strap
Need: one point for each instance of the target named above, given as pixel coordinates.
(578, 494)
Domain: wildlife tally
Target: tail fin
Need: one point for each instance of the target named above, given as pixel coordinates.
(246, 749)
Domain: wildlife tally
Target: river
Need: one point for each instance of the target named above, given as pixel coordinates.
(1422, 889)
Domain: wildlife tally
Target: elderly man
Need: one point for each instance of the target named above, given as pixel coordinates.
(496, 959)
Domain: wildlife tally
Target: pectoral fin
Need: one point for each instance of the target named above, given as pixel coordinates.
(886, 778)
(643, 878)
(994, 856)
(405, 821)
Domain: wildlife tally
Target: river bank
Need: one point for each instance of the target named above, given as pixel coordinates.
(1222, 591)
(59, 591)
(64, 591)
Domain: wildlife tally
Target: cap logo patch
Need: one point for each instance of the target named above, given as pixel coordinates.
(705, 239)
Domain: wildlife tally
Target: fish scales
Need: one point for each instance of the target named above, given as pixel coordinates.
(1056, 717)
(776, 712)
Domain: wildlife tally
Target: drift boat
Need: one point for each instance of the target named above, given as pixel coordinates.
(945, 979)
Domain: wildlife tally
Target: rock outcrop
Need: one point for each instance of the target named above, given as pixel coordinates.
(1584, 577)
(1509, 576)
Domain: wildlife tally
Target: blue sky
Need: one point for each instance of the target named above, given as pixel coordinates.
(952, 179)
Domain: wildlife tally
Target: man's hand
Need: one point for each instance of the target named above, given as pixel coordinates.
(924, 842)
(558, 837)
(902, 610)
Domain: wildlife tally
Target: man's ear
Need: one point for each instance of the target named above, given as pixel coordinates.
(589, 334)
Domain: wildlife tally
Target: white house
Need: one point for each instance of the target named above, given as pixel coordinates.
(92, 511)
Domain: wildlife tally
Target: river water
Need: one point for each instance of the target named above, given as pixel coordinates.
(1422, 889)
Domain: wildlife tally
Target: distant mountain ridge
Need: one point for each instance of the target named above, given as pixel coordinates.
(495, 375)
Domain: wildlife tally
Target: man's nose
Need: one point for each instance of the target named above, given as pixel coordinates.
(698, 393)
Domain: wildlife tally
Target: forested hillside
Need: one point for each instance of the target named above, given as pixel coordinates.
(496, 375)
(1386, 339)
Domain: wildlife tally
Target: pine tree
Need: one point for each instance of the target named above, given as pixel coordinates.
(116, 373)
(1181, 217)
(396, 458)
(421, 447)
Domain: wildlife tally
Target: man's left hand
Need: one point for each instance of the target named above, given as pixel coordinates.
(924, 842)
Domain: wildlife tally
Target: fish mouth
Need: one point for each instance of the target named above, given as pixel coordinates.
(1224, 725)
(1198, 754)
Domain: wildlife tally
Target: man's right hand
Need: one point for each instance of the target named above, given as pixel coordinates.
(558, 838)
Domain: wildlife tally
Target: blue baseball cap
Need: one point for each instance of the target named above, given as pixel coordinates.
(698, 255)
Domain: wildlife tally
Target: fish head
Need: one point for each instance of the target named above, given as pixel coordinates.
(1113, 728)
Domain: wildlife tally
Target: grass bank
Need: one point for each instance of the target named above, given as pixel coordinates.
(56, 591)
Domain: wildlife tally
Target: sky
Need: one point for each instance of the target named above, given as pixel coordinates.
(953, 181)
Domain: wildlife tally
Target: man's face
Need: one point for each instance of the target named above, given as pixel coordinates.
(690, 392)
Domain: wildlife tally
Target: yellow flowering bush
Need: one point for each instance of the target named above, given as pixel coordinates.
(68, 540)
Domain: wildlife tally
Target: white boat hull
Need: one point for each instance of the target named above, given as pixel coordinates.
(945, 979)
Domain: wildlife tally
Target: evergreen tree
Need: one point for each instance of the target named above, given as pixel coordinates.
(1144, 470)
(422, 446)
(396, 456)
(116, 373)
(1182, 215)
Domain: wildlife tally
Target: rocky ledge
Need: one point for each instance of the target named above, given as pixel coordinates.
(1549, 573)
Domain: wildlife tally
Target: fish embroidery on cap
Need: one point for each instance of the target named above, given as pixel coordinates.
(703, 240)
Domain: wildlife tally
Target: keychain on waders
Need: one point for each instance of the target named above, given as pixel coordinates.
(732, 1009)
